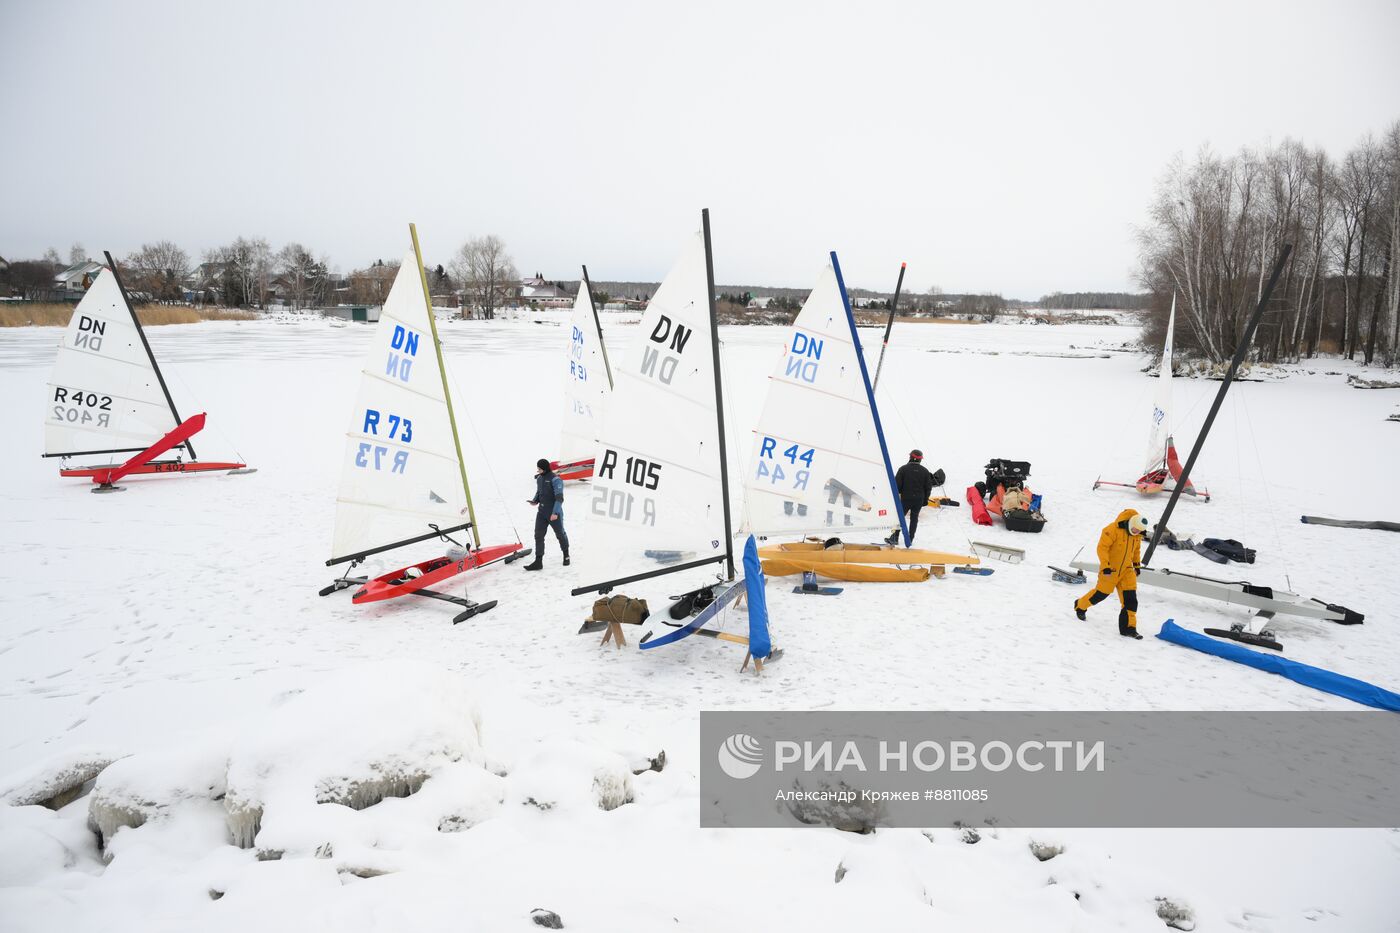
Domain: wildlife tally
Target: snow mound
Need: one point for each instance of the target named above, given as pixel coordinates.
(55, 781)
(350, 740)
(31, 846)
(570, 775)
(146, 786)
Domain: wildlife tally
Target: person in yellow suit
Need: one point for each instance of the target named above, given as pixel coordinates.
(1120, 558)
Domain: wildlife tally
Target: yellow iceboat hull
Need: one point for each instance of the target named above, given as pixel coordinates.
(855, 573)
(863, 554)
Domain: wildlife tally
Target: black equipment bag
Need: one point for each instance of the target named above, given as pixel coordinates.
(1023, 520)
(1008, 473)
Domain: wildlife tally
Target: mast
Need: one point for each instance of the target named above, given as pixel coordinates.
(870, 395)
(1241, 351)
(446, 392)
(116, 276)
(719, 393)
(889, 326)
(607, 367)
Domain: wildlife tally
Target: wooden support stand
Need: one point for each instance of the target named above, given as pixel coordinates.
(757, 664)
(614, 634)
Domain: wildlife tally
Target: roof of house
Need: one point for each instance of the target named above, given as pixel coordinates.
(77, 270)
(539, 288)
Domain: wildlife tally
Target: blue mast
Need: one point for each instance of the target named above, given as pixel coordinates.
(870, 395)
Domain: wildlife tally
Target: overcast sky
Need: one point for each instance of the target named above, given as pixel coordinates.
(1003, 146)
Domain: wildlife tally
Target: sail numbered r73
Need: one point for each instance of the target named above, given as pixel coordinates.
(403, 480)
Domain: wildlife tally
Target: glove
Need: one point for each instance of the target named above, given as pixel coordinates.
(1137, 568)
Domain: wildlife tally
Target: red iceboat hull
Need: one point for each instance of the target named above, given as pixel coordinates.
(395, 583)
(573, 470)
(145, 462)
(164, 466)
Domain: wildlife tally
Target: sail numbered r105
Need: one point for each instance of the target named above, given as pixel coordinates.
(619, 503)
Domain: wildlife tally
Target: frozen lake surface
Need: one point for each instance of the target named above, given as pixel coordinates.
(174, 615)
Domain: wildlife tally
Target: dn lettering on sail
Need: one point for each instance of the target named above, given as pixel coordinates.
(660, 361)
(803, 357)
(90, 332)
(577, 370)
(403, 347)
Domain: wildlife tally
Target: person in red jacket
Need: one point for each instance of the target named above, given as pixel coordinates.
(1120, 558)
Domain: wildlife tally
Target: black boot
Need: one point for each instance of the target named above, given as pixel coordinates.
(1128, 631)
(566, 558)
(537, 565)
(893, 539)
(1080, 614)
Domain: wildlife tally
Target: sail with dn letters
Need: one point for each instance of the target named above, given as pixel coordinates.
(658, 503)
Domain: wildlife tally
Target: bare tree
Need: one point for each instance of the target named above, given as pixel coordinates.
(76, 254)
(370, 285)
(487, 273)
(246, 266)
(304, 274)
(1358, 182)
(160, 268)
(1390, 278)
(1216, 223)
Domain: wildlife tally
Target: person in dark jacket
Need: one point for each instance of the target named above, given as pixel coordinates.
(549, 512)
(915, 484)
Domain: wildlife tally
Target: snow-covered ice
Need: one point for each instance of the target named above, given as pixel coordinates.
(175, 629)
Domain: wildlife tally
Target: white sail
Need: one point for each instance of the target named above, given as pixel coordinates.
(656, 497)
(816, 465)
(586, 385)
(104, 395)
(1160, 428)
(400, 471)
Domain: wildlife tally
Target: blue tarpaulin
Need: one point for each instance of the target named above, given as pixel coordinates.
(1305, 674)
(760, 645)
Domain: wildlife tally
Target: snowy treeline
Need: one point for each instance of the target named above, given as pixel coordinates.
(1217, 223)
(1094, 301)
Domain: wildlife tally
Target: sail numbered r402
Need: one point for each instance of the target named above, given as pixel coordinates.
(74, 406)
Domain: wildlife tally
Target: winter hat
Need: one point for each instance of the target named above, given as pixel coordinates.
(542, 464)
(1139, 524)
(916, 455)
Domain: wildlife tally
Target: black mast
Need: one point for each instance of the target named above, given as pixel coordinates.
(111, 264)
(889, 325)
(728, 557)
(598, 324)
(1241, 351)
(719, 394)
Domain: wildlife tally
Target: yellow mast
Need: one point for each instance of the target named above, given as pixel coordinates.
(446, 392)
